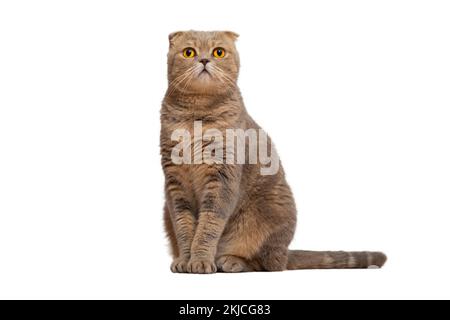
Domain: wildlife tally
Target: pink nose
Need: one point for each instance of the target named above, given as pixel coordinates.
(204, 61)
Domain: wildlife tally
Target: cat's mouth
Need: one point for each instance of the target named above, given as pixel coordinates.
(204, 72)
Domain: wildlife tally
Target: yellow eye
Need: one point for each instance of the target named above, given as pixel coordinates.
(189, 53)
(219, 53)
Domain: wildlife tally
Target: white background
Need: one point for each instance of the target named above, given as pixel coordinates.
(354, 93)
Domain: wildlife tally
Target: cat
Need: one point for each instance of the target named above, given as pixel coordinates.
(218, 216)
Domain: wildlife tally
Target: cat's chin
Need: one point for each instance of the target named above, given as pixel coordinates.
(205, 82)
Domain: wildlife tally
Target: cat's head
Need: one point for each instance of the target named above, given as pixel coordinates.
(203, 62)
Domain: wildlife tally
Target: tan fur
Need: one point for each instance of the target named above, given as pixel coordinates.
(226, 217)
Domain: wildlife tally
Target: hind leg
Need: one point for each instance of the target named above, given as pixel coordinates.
(269, 259)
(233, 264)
(273, 258)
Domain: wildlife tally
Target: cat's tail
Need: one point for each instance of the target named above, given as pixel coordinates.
(299, 259)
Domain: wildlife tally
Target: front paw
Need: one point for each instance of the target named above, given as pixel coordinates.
(201, 266)
(179, 265)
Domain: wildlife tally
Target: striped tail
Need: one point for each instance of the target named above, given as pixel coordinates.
(299, 259)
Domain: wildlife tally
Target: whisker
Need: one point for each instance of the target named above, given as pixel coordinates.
(179, 80)
(225, 79)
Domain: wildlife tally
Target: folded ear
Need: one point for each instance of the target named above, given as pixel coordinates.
(173, 36)
(232, 35)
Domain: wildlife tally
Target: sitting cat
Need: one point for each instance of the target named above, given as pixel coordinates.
(224, 215)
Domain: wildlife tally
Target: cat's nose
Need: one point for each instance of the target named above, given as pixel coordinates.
(204, 61)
